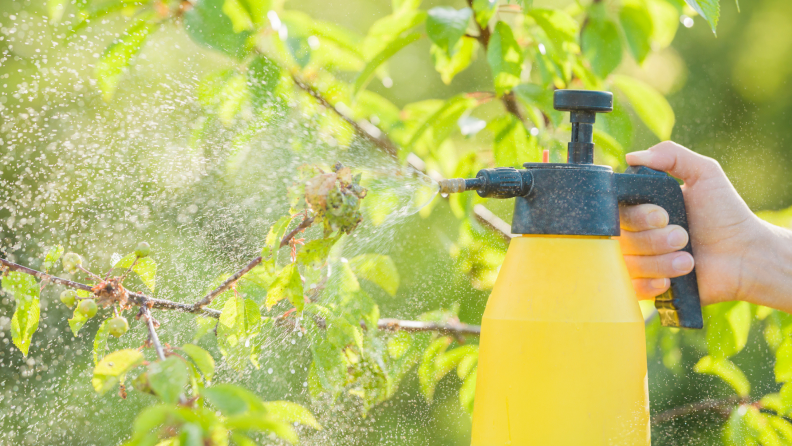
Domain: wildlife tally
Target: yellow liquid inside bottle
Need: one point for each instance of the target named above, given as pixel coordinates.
(562, 357)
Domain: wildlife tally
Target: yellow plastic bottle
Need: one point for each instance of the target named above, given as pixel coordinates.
(562, 352)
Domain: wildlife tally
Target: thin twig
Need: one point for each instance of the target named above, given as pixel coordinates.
(94, 276)
(153, 333)
(455, 328)
(301, 227)
(723, 406)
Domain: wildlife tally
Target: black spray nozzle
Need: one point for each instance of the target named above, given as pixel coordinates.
(583, 106)
(501, 182)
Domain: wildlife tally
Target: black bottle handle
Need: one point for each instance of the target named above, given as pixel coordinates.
(680, 306)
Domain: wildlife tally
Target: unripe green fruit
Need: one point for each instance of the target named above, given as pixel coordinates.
(143, 249)
(71, 261)
(117, 326)
(87, 307)
(68, 297)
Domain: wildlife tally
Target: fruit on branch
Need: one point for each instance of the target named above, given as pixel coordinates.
(68, 297)
(88, 308)
(142, 249)
(71, 262)
(117, 326)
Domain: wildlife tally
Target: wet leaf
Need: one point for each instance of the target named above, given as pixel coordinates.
(25, 321)
(168, 378)
(378, 269)
(261, 422)
(708, 9)
(118, 56)
(505, 59)
(77, 321)
(232, 400)
(559, 27)
(288, 285)
(113, 367)
(512, 145)
(446, 25)
(728, 326)
(426, 370)
(314, 253)
(100, 342)
(208, 25)
(275, 236)
(783, 362)
(202, 359)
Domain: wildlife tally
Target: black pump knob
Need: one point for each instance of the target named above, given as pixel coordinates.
(583, 106)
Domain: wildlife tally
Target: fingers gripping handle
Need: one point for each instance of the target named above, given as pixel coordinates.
(680, 306)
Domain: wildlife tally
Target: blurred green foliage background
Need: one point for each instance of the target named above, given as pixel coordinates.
(103, 176)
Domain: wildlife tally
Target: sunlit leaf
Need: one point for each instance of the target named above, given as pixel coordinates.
(727, 371)
(209, 26)
(233, 400)
(289, 412)
(262, 423)
(427, 376)
(275, 236)
(263, 76)
(314, 253)
(484, 10)
(202, 359)
(55, 10)
(100, 342)
(288, 285)
(512, 145)
(533, 95)
(649, 105)
(783, 362)
(240, 18)
(728, 325)
(601, 44)
(463, 54)
(168, 378)
(77, 321)
(708, 9)
(665, 22)
(118, 56)
(446, 25)
(392, 48)
(378, 269)
(53, 255)
(25, 321)
(559, 26)
(112, 368)
(144, 267)
(505, 59)
(637, 25)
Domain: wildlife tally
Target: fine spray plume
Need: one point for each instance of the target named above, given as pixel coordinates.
(562, 356)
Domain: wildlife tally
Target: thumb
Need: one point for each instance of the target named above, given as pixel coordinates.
(679, 161)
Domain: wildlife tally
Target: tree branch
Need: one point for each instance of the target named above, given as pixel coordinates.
(301, 227)
(153, 332)
(456, 328)
(722, 406)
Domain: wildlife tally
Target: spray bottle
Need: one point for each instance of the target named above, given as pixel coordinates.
(562, 357)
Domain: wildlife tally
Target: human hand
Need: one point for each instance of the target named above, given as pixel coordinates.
(724, 231)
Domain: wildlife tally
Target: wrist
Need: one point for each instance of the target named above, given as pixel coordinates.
(765, 273)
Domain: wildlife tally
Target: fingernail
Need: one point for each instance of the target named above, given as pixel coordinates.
(657, 219)
(682, 263)
(636, 156)
(677, 238)
(659, 284)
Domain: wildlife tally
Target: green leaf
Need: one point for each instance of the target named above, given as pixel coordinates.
(505, 59)
(426, 370)
(608, 144)
(533, 95)
(727, 371)
(559, 26)
(708, 9)
(202, 359)
(25, 321)
(100, 342)
(314, 253)
(783, 427)
(53, 255)
(442, 122)
(145, 268)
(665, 22)
(649, 105)
(387, 29)
(288, 285)
(240, 18)
(168, 378)
(463, 54)
(617, 124)
(392, 48)
(378, 269)
(468, 391)
(785, 396)
(484, 9)
(736, 432)
(263, 77)
(55, 10)
(601, 45)
(118, 56)
(512, 145)
(239, 323)
(291, 413)
(263, 423)
(275, 236)
(446, 25)
(783, 362)
(112, 368)
(209, 26)
(77, 321)
(637, 25)
(232, 400)
(728, 325)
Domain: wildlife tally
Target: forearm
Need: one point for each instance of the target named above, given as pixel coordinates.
(766, 270)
